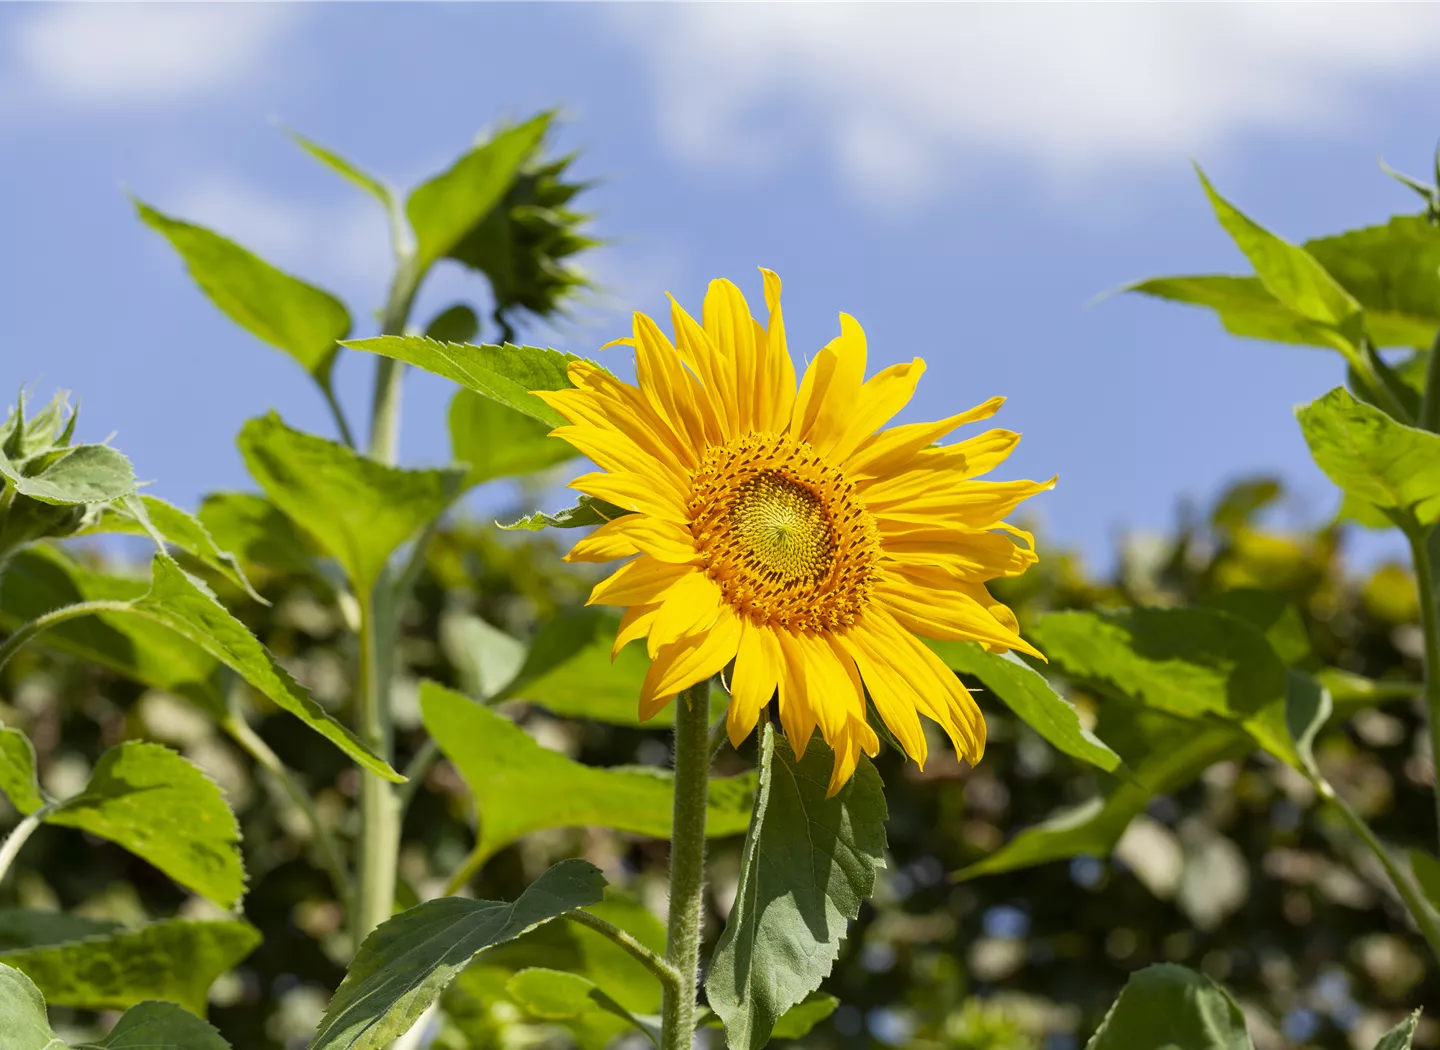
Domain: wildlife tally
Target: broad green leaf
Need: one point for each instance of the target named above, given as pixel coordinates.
(37, 927)
(22, 1014)
(358, 509)
(807, 865)
(1372, 457)
(1392, 270)
(554, 995)
(444, 209)
(1426, 870)
(176, 961)
(485, 657)
(342, 167)
(1189, 662)
(1168, 1007)
(1307, 709)
(257, 531)
(304, 321)
(1289, 272)
(1402, 1036)
(587, 512)
(1025, 691)
(521, 787)
(42, 578)
(505, 374)
(1269, 613)
(185, 605)
(456, 324)
(159, 1026)
(70, 477)
(499, 442)
(802, 1017)
(406, 963)
(162, 808)
(17, 771)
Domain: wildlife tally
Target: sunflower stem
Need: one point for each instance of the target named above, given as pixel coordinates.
(1430, 622)
(687, 866)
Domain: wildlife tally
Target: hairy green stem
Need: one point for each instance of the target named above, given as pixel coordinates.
(1430, 624)
(254, 745)
(25, 632)
(668, 976)
(385, 400)
(17, 838)
(379, 801)
(687, 865)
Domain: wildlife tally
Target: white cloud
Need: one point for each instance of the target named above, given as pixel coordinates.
(899, 93)
(123, 54)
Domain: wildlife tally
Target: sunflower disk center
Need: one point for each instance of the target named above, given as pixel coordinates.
(784, 525)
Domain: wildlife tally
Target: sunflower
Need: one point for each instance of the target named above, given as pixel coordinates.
(786, 531)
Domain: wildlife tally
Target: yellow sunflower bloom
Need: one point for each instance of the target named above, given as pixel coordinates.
(788, 532)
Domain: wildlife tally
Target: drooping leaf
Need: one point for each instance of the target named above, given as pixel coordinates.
(456, 324)
(37, 927)
(587, 513)
(521, 787)
(159, 1026)
(1289, 272)
(807, 865)
(444, 209)
(358, 509)
(176, 961)
(257, 531)
(805, 1015)
(77, 475)
(22, 1013)
(162, 808)
(406, 963)
(1307, 709)
(17, 771)
(499, 442)
(1189, 662)
(180, 602)
(1373, 457)
(304, 321)
(1168, 1007)
(554, 995)
(345, 169)
(1025, 691)
(505, 374)
(1402, 1036)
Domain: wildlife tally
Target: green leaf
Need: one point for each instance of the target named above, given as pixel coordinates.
(1270, 614)
(1402, 1036)
(406, 963)
(505, 374)
(163, 809)
(342, 167)
(176, 961)
(554, 995)
(1427, 875)
(521, 787)
(1289, 272)
(1168, 1007)
(802, 1017)
(159, 1026)
(358, 509)
(456, 324)
(37, 927)
(257, 531)
(807, 865)
(185, 605)
(1028, 694)
(41, 578)
(444, 209)
(1393, 271)
(1372, 457)
(22, 1014)
(485, 657)
(17, 771)
(1307, 709)
(304, 321)
(1190, 662)
(587, 512)
(77, 475)
(498, 442)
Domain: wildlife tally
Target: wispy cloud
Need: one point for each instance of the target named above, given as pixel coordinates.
(903, 96)
(114, 54)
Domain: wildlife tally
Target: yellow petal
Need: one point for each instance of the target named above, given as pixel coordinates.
(936, 472)
(731, 328)
(967, 505)
(884, 394)
(895, 699)
(693, 659)
(690, 607)
(715, 390)
(635, 623)
(829, 391)
(667, 386)
(946, 615)
(756, 676)
(614, 451)
(777, 367)
(796, 716)
(643, 581)
(604, 544)
(663, 540)
(636, 492)
(890, 449)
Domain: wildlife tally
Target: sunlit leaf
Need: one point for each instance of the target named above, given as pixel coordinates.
(358, 509)
(1393, 271)
(405, 964)
(22, 1013)
(1307, 709)
(499, 442)
(67, 477)
(808, 863)
(1271, 614)
(304, 321)
(18, 779)
(345, 169)
(587, 513)
(1171, 1008)
(554, 995)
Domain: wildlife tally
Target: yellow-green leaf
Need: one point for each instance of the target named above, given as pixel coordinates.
(497, 441)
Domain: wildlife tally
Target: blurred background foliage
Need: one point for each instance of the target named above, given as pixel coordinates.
(1237, 874)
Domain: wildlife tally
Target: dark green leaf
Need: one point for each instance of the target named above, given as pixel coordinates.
(17, 771)
(1269, 613)
(1025, 691)
(444, 209)
(521, 787)
(70, 477)
(159, 1026)
(22, 1014)
(1402, 1036)
(1171, 1008)
(162, 808)
(358, 509)
(807, 865)
(176, 961)
(304, 321)
(406, 963)
(37, 927)
(457, 324)
(505, 374)
(1372, 457)
(1307, 709)
(499, 442)
(587, 512)
(342, 167)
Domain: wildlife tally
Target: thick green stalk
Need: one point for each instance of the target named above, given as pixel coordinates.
(1430, 624)
(379, 801)
(687, 865)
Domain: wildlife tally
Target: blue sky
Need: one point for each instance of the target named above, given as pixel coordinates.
(962, 179)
